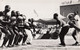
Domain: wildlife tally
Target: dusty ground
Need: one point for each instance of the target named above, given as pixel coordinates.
(46, 44)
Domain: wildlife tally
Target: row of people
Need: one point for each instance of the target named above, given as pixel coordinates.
(13, 26)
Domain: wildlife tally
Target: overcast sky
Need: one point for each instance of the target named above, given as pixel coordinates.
(34, 8)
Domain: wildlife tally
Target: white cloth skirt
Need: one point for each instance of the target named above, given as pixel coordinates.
(30, 37)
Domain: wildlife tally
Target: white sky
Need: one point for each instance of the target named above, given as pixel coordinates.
(44, 8)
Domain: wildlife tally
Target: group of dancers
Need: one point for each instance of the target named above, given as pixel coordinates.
(73, 22)
(14, 27)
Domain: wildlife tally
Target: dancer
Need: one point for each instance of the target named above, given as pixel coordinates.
(64, 29)
(5, 25)
(74, 22)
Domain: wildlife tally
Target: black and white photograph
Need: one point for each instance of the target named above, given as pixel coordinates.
(39, 24)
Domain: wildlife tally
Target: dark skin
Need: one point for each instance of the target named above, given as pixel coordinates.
(5, 21)
(72, 25)
(58, 22)
(7, 9)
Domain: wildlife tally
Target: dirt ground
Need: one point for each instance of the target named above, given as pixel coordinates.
(46, 44)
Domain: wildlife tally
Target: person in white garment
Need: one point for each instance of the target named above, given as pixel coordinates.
(30, 37)
(74, 22)
(77, 23)
(29, 34)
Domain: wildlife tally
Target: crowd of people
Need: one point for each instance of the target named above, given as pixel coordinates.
(14, 27)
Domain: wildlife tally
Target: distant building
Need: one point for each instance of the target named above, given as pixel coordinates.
(69, 8)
